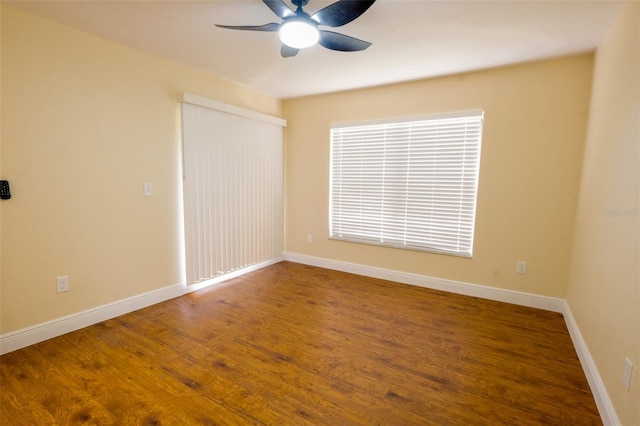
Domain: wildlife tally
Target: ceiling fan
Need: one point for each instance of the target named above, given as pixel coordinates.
(299, 30)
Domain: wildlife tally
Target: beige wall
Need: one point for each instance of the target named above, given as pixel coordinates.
(604, 289)
(534, 130)
(85, 123)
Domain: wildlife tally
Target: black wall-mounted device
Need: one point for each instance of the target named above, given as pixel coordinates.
(5, 193)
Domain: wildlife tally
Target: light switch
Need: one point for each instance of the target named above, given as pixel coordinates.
(148, 189)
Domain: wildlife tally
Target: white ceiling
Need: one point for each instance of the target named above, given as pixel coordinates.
(412, 39)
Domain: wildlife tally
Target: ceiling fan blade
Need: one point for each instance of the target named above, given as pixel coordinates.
(341, 12)
(279, 8)
(288, 51)
(341, 42)
(268, 27)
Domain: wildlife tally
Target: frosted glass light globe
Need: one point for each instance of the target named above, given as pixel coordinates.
(299, 34)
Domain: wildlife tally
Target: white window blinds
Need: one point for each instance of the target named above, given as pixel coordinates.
(407, 184)
(233, 192)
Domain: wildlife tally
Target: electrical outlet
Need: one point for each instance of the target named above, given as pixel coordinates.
(521, 267)
(309, 238)
(626, 374)
(62, 284)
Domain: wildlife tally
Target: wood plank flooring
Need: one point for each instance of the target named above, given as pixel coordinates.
(299, 345)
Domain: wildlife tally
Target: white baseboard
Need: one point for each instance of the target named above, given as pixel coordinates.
(10, 342)
(492, 293)
(28, 336)
(605, 406)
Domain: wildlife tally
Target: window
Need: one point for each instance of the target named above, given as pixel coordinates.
(408, 183)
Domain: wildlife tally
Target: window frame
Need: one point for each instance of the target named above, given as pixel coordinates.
(475, 143)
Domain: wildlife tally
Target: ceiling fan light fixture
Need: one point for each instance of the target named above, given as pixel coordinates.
(299, 30)
(299, 33)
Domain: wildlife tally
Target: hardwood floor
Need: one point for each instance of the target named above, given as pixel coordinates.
(294, 345)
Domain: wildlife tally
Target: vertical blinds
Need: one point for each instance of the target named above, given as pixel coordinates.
(409, 184)
(233, 192)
